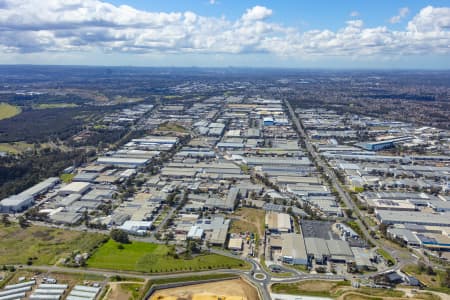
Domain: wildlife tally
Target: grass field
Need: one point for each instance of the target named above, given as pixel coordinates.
(46, 245)
(15, 148)
(169, 126)
(8, 111)
(433, 282)
(154, 258)
(67, 178)
(54, 105)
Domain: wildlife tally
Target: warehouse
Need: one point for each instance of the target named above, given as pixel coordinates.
(75, 188)
(16, 203)
(293, 249)
(136, 227)
(235, 244)
(340, 251)
(413, 217)
(42, 187)
(278, 222)
(317, 249)
(122, 162)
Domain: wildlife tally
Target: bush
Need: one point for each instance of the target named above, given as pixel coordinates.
(120, 236)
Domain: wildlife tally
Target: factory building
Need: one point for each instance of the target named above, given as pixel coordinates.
(278, 222)
(293, 249)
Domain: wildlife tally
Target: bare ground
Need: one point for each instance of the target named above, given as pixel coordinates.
(234, 289)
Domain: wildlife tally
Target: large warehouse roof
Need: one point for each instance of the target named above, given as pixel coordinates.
(316, 247)
(413, 217)
(293, 246)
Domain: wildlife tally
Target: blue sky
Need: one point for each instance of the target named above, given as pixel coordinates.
(283, 33)
(317, 14)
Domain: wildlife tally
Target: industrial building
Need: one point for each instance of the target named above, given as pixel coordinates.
(293, 249)
(278, 222)
(235, 244)
(317, 249)
(413, 217)
(16, 203)
(75, 188)
(20, 202)
(123, 162)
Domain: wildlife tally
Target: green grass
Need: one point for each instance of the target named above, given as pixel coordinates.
(48, 245)
(16, 147)
(386, 256)
(67, 178)
(193, 278)
(8, 111)
(170, 126)
(54, 105)
(154, 258)
(133, 288)
(380, 292)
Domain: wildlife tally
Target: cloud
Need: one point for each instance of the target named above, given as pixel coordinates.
(92, 26)
(402, 13)
(212, 2)
(354, 14)
(257, 13)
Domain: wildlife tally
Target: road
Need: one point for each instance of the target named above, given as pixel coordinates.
(345, 196)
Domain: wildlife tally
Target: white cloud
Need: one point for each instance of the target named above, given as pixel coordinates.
(91, 26)
(212, 2)
(354, 14)
(257, 13)
(402, 13)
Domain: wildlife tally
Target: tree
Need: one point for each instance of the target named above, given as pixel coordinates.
(5, 220)
(23, 222)
(120, 236)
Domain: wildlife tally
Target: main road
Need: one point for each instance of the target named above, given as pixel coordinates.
(343, 194)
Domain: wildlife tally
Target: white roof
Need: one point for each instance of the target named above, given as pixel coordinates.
(75, 187)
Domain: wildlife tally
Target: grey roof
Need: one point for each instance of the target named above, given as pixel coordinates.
(316, 247)
(339, 248)
(293, 246)
(413, 217)
(41, 187)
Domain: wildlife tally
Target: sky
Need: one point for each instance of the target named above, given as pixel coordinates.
(350, 34)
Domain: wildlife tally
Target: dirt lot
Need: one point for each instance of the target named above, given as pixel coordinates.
(124, 290)
(236, 289)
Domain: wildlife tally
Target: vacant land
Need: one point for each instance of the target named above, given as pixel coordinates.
(170, 126)
(154, 258)
(54, 105)
(235, 287)
(125, 290)
(8, 111)
(248, 219)
(437, 281)
(44, 245)
(311, 288)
